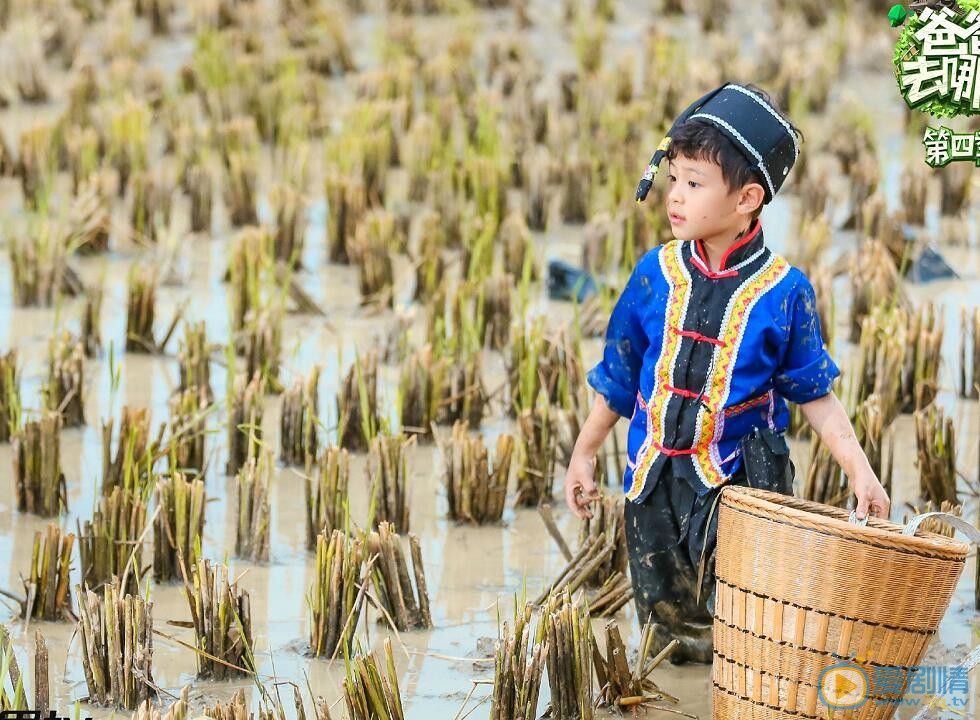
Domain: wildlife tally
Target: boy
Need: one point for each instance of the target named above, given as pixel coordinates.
(711, 335)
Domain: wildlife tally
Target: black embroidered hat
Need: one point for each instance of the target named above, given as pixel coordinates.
(767, 140)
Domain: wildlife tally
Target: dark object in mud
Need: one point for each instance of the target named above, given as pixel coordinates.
(930, 265)
(48, 589)
(475, 492)
(334, 600)
(357, 404)
(298, 422)
(536, 456)
(371, 690)
(64, 387)
(179, 525)
(110, 541)
(327, 495)
(244, 421)
(127, 466)
(567, 282)
(970, 353)
(252, 528)
(40, 482)
(407, 603)
(387, 472)
(621, 687)
(222, 618)
(10, 408)
(117, 647)
(935, 441)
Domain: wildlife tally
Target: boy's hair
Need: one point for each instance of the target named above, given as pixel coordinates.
(701, 140)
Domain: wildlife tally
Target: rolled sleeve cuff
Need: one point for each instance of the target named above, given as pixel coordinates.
(621, 399)
(801, 385)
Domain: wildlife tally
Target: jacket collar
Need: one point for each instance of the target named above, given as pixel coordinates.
(744, 248)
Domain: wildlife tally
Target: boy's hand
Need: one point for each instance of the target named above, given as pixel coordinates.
(871, 496)
(580, 490)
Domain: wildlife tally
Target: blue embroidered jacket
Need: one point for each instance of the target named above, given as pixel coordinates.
(697, 358)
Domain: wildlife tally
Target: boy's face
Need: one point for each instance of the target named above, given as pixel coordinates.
(699, 203)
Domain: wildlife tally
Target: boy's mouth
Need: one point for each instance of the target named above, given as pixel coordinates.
(675, 219)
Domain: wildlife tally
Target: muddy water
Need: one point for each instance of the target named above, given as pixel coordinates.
(473, 573)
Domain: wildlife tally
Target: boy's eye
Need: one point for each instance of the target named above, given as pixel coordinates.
(692, 183)
(671, 178)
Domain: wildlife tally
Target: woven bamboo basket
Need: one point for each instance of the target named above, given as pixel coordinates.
(800, 589)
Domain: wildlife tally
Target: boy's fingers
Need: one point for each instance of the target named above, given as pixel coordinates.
(570, 500)
(862, 507)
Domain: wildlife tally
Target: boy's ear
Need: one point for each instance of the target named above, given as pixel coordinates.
(750, 198)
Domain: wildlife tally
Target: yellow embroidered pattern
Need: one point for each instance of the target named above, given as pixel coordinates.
(671, 263)
(733, 329)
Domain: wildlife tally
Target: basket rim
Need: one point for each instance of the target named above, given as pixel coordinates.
(834, 520)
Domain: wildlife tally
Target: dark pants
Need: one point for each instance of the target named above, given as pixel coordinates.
(665, 535)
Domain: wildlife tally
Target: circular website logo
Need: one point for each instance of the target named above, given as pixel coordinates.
(843, 686)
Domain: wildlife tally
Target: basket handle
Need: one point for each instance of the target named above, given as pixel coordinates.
(957, 522)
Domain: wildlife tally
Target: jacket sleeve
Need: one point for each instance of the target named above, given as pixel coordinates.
(617, 376)
(807, 371)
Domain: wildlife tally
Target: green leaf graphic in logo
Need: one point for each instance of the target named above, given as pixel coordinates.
(897, 15)
(908, 47)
